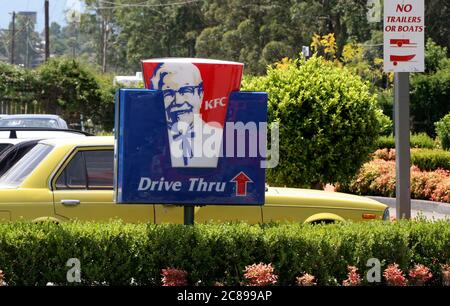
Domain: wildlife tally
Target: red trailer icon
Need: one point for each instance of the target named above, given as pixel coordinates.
(401, 42)
(401, 58)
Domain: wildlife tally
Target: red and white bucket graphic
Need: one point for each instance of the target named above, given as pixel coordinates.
(196, 93)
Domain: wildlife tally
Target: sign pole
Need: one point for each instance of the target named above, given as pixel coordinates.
(189, 211)
(402, 145)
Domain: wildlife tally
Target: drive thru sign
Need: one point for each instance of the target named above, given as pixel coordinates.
(404, 28)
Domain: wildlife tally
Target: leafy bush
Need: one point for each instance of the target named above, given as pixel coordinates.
(120, 254)
(18, 85)
(419, 140)
(428, 160)
(328, 121)
(443, 131)
(385, 142)
(429, 99)
(425, 159)
(435, 57)
(73, 89)
(377, 177)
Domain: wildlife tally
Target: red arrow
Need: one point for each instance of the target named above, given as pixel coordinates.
(241, 181)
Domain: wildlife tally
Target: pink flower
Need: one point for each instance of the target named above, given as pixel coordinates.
(2, 279)
(353, 278)
(420, 275)
(174, 277)
(394, 276)
(446, 275)
(306, 280)
(260, 274)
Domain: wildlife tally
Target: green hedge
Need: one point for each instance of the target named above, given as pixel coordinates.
(425, 159)
(420, 140)
(429, 160)
(119, 254)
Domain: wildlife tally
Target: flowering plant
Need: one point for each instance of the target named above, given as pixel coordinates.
(306, 280)
(420, 274)
(446, 275)
(394, 276)
(353, 278)
(174, 277)
(260, 274)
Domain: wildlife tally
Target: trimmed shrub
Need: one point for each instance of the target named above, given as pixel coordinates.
(427, 160)
(420, 140)
(443, 131)
(116, 253)
(385, 142)
(328, 121)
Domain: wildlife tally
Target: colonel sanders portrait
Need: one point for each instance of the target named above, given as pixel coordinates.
(182, 87)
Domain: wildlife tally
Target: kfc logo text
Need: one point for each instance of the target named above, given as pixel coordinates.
(211, 104)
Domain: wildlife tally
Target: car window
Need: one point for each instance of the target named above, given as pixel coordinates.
(17, 173)
(4, 146)
(74, 175)
(91, 169)
(100, 168)
(13, 154)
(27, 122)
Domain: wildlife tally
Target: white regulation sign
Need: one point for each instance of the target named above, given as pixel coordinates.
(404, 42)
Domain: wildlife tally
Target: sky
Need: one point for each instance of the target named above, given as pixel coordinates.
(57, 9)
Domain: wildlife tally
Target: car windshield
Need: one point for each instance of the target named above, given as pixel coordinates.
(29, 122)
(15, 176)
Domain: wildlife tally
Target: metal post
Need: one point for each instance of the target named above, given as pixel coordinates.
(47, 34)
(27, 43)
(402, 146)
(189, 215)
(13, 38)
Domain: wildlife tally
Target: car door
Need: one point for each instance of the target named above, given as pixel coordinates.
(223, 213)
(83, 189)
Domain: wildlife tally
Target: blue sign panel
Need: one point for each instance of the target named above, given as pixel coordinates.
(157, 165)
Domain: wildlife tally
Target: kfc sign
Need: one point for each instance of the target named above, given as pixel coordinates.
(191, 137)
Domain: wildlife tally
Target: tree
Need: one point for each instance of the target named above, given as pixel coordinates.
(430, 94)
(28, 47)
(437, 22)
(71, 89)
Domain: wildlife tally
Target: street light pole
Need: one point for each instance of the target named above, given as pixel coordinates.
(13, 34)
(47, 34)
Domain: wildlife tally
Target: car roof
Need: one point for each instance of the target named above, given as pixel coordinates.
(13, 140)
(24, 116)
(81, 141)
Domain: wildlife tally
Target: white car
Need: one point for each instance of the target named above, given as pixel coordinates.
(33, 120)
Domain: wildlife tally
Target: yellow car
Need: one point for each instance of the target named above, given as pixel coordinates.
(63, 179)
